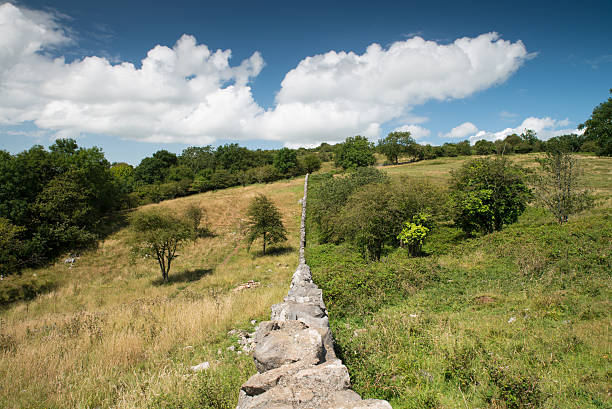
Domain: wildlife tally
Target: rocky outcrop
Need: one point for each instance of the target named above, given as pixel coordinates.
(294, 352)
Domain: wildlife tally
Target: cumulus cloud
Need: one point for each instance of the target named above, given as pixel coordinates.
(545, 128)
(461, 131)
(192, 94)
(416, 131)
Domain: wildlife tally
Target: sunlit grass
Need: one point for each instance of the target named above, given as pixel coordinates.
(111, 335)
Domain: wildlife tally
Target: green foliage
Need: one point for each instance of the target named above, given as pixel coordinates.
(414, 233)
(354, 152)
(559, 187)
(264, 220)
(484, 147)
(11, 246)
(158, 233)
(370, 219)
(285, 161)
(488, 194)
(197, 158)
(598, 127)
(329, 194)
(395, 144)
(310, 163)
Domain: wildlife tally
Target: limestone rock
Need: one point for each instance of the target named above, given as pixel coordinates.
(282, 342)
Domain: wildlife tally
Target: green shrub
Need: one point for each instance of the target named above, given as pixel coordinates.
(488, 194)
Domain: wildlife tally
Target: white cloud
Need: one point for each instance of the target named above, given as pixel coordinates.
(545, 129)
(461, 131)
(191, 94)
(416, 131)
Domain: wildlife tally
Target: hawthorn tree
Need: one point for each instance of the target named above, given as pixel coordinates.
(354, 152)
(395, 144)
(158, 233)
(488, 194)
(558, 186)
(264, 220)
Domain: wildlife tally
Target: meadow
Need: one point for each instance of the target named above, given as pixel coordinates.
(519, 318)
(516, 319)
(110, 334)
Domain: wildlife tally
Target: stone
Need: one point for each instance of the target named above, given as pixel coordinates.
(200, 367)
(282, 342)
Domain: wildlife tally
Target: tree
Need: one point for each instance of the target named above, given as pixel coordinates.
(371, 218)
(395, 144)
(355, 152)
(310, 163)
(484, 147)
(330, 194)
(558, 186)
(598, 127)
(264, 220)
(285, 161)
(415, 232)
(158, 233)
(487, 194)
(198, 158)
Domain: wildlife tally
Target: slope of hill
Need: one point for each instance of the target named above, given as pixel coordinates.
(111, 335)
(515, 319)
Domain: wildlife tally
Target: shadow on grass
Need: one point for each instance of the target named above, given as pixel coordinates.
(205, 232)
(274, 251)
(184, 277)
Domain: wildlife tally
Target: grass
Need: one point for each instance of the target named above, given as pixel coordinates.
(516, 319)
(108, 334)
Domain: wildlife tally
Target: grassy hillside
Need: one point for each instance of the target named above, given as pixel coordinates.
(110, 334)
(515, 319)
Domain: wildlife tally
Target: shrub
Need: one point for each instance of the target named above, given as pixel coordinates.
(558, 186)
(487, 194)
(354, 152)
(329, 194)
(414, 233)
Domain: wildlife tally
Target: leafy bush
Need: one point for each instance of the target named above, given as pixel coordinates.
(414, 233)
(354, 152)
(328, 194)
(487, 194)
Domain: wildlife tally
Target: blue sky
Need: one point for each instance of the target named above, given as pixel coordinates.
(298, 74)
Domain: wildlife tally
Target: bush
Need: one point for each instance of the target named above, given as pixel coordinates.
(414, 233)
(328, 194)
(558, 186)
(354, 152)
(487, 194)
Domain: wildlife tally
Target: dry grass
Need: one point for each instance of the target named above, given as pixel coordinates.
(112, 336)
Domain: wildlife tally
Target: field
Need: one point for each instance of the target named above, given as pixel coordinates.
(111, 335)
(516, 319)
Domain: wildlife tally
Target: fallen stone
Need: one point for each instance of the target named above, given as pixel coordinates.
(200, 367)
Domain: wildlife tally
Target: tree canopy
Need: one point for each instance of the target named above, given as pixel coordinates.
(264, 220)
(598, 127)
(354, 152)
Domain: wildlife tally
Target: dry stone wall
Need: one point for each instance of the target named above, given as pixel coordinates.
(294, 352)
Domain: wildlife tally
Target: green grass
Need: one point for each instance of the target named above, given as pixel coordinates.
(516, 319)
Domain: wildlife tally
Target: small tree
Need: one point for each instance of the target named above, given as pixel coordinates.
(395, 144)
(264, 220)
(415, 232)
(354, 152)
(558, 187)
(157, 233)
(487, 194)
